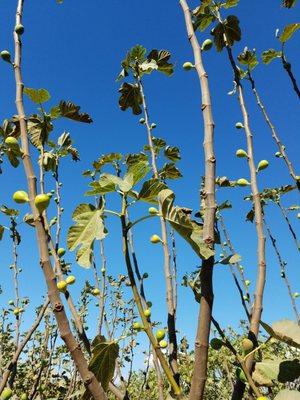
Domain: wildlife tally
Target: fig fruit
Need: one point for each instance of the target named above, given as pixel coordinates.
(207, 45)
(147, 313)
(188, 66)
(62, 286)
(5, 55)
(61, 252)
(163, 344)
(263, 164)
(6, 394)
(96, 292)
(239, 125)
(160, 334)
(216, 343)
(11, 142)
(41, 202)
(20, 197)
(247, 345)
(70, 279)
(241, 153)
(19, 29)
(153, 211)
(242, 182)
(155, 239)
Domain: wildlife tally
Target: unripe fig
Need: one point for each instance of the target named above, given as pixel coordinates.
(160, 334)
(188, 66)
(61, 252)
(247, 345)
(262, 398)
(24, 396)
(11, 142)
(5, 55)
(62, 286)
(70, 279)
(241, 153)
(298, 215)
(49, 194)
(149, 304)
(145, 275)
(6, 394)
(207, 45)
(17, 311)
(41, 202)
(137, 326)
(163, 344)
(153, 125)
(96, 292)
(147, 313)
(263, 164)
(278, 154)
(20, 197)
(242, 182)
(296, 294)
(11, 302)
(142, 121)
(19, 29)
(103, 270)
(153, 211)
(52, 191)
(216, 343)
(240, 374)
(155, 239)
(239, 125)
(247, 282)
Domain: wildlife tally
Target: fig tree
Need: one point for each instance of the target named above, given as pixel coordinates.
(6, 394)
(207, 45)
(20, 197)
(70, 279)
(62, 286)
(19, 29)
(239, 125)
(160, 334)
(41, 202)
(241, 153)
(188, 66)
(163, 344)
(242, 182)
(263, 164)
(155, 239)
(216, 343)
(5, 55)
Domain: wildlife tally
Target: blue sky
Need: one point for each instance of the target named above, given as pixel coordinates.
(74, 50)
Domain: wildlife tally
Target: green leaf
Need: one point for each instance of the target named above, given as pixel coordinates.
(231, 3)
(288, 32)
(1, 231)
(286, 331)
(181, 221)
(225, 205)
(109, 158)
(287, 395)
(283, 371)
(130, 98)
(289, 3)
(229, 29)
(170, 171)
(172, 153)
(38, 96)
(39, 130)
(248, 58)
(88, 228)
(67, 109)
(270, 55)
(161, 58)
(10, 212)
(150, 190)
(138, 171)
(203, 21)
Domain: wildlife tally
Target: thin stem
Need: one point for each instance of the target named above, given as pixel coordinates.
(275, 134)
(87, 376)
(208, 199)
(173, 347)
(291, 229)
(288, 67)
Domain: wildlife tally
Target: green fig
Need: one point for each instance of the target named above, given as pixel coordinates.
(296, 295)
(278, 154)
(11, 142)
(62, 286)
(20, 197)
(207, 45)
(188, 66)
(242, 182)
(61, 252)
(241, 153)
(298, 215)
(41, 202)
(147, 313)
(153, 211)
(263, 164)
(5, 55)
(153, 125)
(240, 374)
(216, 343)
(142, 121)
(163, 344)
(160, 334)
(11, 303)
(137, 326)
(247, 282)
(247, 345)
(24, 396)
(6, 394)
(96, 292)
(70, 279)
(239, 125)
(19, 29)
(103, 270)
(155, 239)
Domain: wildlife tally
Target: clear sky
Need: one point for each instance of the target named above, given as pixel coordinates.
(74, 50)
